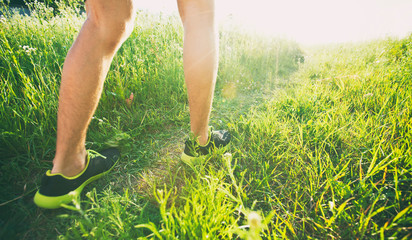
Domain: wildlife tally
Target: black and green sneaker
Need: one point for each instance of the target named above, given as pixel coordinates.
(57, 189)
(194, 152)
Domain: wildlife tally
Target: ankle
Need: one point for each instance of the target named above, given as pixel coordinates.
(203, 139)
(71, 165)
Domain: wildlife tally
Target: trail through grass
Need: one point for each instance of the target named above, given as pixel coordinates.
(320, 148)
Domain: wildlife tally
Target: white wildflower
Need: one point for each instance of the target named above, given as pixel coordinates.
(331, 205)
(254, 220)
(28, 49)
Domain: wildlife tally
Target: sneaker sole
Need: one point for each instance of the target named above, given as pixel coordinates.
(191, 161)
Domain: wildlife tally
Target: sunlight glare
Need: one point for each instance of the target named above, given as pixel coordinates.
(322, 21)
(312, 22)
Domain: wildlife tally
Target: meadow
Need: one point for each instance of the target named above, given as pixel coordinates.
(321, 137)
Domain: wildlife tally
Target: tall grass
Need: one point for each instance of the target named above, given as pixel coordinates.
(323, 153)
(334, 158)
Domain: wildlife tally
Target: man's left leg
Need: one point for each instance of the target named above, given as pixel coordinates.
(200, 61)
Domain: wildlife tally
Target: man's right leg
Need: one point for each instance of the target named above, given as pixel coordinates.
(108, 24)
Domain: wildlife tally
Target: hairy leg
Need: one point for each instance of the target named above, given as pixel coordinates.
(108, 24)
(200, 60)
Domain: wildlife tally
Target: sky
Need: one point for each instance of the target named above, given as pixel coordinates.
(312, 21)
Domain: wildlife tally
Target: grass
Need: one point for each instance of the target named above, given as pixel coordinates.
(320, 149)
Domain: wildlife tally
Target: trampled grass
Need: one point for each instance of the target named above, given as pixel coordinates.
(320, 149)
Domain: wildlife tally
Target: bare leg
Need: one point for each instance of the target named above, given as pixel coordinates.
(108, 24)
(200, 60)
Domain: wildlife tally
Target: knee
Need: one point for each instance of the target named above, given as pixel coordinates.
(203, 10)
(116, 32)
(113, 23)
